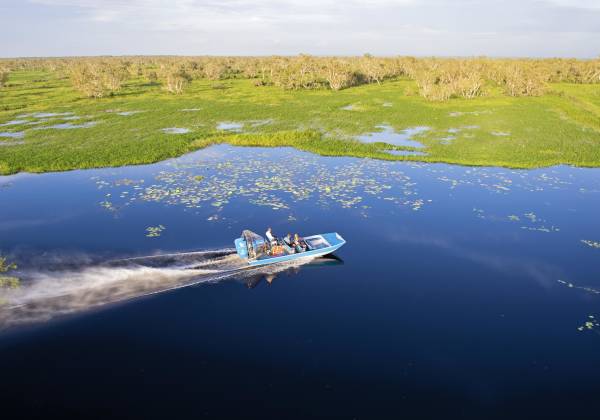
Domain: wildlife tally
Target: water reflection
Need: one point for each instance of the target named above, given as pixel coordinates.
(331, 260)
(387, 134)
(233, 126)
(11, 135)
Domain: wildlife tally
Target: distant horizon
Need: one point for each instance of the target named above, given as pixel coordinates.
(420, 28)
(463, 57)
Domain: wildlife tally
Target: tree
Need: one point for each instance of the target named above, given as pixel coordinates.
(87, 78)
(215, 69)
(338, 74)
(471, 86)
(96, 79)
(3, 76)
(436, 78)
(151, 76)
(374, 69)
(113, 76)
(176, 78)
(523, 80)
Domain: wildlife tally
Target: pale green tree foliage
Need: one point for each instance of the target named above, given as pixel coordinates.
(3, 76)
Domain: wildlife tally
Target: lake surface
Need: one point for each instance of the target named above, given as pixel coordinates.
(461, 292)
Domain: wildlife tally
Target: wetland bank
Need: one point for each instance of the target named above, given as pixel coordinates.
(62, 114)
(474, 285)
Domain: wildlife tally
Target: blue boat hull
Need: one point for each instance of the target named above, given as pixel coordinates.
(323, 244)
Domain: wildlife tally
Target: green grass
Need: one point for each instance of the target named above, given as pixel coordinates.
(562, 127)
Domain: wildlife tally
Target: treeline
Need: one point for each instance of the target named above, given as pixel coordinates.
(436, 78)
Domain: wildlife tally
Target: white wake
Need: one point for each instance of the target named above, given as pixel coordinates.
(47, 293)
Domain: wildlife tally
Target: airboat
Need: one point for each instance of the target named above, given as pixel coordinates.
(256, 250)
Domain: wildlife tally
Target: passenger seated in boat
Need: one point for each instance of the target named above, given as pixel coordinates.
(299, 243)
(288, 239)
(270, 237)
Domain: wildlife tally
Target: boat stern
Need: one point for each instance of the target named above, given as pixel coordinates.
(241, 247)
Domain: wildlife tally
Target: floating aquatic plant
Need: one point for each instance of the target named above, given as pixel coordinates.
(154, 231)
(535, 223)
(590, 325)
(273, 184)
(108, 205)
(592, 244)
(586, 289)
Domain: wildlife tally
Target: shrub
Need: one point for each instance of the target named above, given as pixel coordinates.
(520, 80)
(440, 82)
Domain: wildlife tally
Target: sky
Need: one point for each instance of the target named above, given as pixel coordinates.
(507, 28)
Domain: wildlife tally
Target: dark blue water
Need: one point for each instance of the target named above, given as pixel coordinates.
(461, 292)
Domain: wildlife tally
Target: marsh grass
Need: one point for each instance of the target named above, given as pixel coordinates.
(560, 127)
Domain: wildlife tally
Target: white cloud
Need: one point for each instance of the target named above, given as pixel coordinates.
(580, 4)
(441, 27)
(197, 14)
(291, 15)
